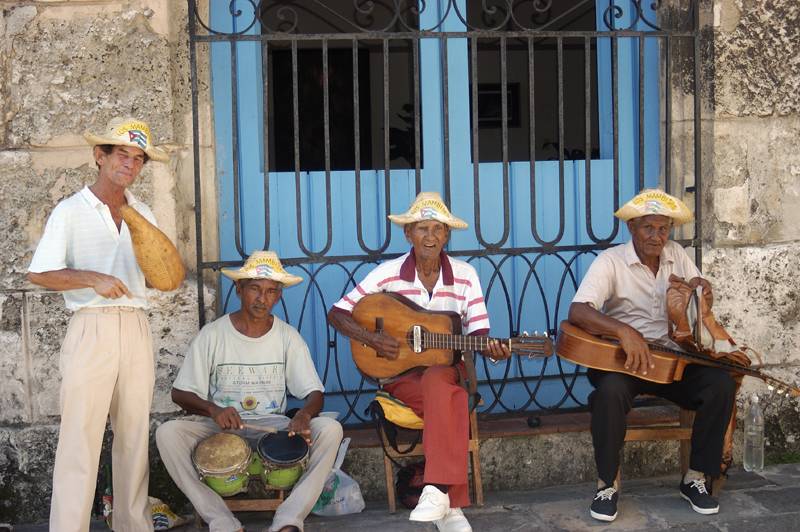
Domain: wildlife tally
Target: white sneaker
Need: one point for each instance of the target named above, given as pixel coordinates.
(432, 506)
(454, 521)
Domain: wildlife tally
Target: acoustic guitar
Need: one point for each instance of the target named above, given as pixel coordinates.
(426, 337)
(580, 347)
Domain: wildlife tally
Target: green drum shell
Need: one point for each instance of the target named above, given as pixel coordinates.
(281, 474)
(283, 477)
(256, 467)
(225, 481)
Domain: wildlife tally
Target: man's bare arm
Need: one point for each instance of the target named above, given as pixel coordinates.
(633, 343)
(301, 422)
(226, 418)
(69, 279)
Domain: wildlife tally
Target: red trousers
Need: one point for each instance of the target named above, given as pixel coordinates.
(441, 402)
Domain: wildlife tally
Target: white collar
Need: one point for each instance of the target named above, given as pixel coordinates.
(95, 202)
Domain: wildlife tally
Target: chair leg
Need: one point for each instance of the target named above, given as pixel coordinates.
(717, 484)
(476, 475)
(475, 456)
(686, 419)
(389, 474)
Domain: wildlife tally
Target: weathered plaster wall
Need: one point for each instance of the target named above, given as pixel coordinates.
(65, 67)
(750, 164)
(752, 191)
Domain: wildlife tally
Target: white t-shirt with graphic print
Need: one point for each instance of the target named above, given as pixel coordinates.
(252, 375)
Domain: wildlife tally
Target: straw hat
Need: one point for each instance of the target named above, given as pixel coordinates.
(653, 201)
(262, 265)
(127, 131)
(428, 206)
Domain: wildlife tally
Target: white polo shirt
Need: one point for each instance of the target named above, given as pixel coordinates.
(81, 234)
(458, 289)
(620, 286)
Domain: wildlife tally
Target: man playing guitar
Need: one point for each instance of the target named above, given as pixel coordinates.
(434, 281)
(623, 296)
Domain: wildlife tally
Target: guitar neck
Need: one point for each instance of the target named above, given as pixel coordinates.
(457, 342)
(706, 360)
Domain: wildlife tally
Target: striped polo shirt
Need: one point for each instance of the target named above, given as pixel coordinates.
(458, 289)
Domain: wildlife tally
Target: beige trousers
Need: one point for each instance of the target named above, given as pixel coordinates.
(177, 439)
(106, 368)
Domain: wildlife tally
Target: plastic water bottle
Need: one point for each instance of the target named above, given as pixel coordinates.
(754, 437)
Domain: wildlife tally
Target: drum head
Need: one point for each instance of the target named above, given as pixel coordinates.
(221, 452)
(281, 449)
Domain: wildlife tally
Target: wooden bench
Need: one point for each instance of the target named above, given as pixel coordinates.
(660, 431)
(647, 422)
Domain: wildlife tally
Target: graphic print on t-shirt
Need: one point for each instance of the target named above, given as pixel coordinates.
(252, 389)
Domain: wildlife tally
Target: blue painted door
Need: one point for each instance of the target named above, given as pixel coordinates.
(314, 216)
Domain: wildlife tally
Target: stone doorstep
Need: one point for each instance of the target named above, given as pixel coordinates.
(505, 426)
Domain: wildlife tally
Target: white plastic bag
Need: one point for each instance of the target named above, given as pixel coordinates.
(341, 494)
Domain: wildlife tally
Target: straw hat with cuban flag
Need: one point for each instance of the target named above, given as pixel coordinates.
(262, 265)
(428, 206)
(127, 131)
(653, 201)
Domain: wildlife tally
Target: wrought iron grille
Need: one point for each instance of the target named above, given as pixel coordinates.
(537, 218)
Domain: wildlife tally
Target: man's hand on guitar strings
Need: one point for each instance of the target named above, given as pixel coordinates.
(385, 346)
(638, 358)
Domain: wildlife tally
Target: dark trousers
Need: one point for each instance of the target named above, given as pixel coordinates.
(710, 392)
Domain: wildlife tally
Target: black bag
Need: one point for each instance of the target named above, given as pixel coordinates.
(375, 411)
(410, 481)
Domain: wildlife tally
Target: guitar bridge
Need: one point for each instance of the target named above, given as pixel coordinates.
(416, 338)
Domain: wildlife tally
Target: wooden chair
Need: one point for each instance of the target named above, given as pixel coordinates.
(666, 432)
(474, 458)
(256, 499)
(256, 504)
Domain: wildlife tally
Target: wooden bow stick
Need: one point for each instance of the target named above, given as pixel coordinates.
(271, 430)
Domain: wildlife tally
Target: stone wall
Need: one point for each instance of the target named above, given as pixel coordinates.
(750, 164)
(67, 66)
(752, 191)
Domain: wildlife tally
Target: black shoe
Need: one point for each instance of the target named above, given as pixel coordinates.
(604, 505)
(696, 493)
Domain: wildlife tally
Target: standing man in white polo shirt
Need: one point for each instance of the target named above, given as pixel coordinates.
(107, 354)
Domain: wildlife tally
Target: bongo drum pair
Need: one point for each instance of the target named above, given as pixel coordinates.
(226, 462)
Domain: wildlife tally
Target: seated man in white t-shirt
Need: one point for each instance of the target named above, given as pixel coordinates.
(239, 370)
